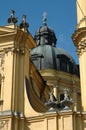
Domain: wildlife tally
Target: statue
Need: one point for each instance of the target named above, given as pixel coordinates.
(12, 18)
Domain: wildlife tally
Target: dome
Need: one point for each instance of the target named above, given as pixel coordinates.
(48, 57)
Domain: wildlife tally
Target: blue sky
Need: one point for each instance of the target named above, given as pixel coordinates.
(61, 17)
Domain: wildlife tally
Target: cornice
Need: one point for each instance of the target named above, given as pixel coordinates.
(15, 40)
(49, 115)
(60, 77)
(42, 116)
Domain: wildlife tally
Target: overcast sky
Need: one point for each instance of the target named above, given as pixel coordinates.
(61, 17)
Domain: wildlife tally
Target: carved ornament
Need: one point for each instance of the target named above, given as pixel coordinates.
(19, 50)
(79, 39)
(81, 47)
(4, 125)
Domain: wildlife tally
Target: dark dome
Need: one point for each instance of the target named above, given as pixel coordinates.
(48, 57)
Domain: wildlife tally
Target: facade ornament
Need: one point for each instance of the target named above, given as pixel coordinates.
(60, 105)
(2, 62)
(4, 125)
(20, 50)
(12, 18)
(67, 101)
(24, 24)
(81, 48)
(79, 39)
(52, 103)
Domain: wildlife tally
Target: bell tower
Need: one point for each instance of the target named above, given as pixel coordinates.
(79, 38)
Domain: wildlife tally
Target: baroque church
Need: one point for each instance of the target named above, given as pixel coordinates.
(41, 86)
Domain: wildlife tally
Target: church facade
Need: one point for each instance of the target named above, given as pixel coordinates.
(41, 86)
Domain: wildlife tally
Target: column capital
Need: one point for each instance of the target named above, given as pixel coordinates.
(79, 39)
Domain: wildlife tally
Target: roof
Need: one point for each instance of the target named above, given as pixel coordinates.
(49, 57)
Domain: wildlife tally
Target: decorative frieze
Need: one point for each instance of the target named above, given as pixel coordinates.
(15, 50)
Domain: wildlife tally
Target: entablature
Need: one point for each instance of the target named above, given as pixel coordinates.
(12, 38)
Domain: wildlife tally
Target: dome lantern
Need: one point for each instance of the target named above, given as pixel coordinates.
(45, 35)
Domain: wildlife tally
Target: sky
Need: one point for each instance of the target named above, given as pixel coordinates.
(61, 17)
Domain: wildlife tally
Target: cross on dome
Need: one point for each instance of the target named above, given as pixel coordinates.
(44, 18)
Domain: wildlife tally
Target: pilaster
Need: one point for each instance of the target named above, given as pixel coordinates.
(81, 13)
(79, 38)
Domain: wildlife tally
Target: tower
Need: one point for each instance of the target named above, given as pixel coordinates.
(79, 38)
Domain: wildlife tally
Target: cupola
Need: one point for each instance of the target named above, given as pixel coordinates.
(45, 35)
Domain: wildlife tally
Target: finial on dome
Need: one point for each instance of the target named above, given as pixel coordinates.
(44, 18)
